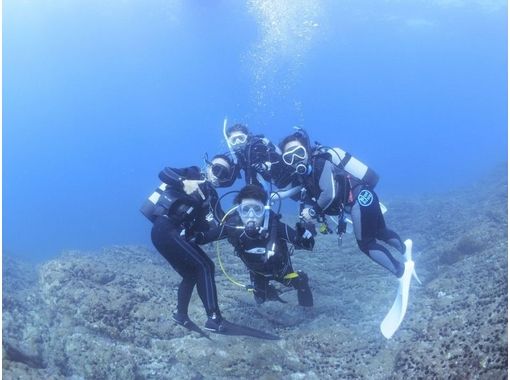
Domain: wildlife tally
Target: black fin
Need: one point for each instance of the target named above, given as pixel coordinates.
(192, 326)
(229, 328)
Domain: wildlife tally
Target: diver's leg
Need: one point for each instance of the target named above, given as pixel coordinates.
(301, 284)
(204, 275)
(391, 238)
(184, 294)
(163, 236)
(260, 285)
(381, 256)
(365, 220)
(189, 261)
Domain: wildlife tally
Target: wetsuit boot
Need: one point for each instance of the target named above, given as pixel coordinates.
(181, 319)
(214, 323)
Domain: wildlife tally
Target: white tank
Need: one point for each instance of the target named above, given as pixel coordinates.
(149, 205)
(154, 197)
(353, 166)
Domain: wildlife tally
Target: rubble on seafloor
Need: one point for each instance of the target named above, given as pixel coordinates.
(107, 314)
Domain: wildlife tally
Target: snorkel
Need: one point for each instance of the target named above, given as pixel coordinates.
(230, 148)
(273, 232)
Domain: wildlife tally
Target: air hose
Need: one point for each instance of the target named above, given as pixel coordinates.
(249, 288)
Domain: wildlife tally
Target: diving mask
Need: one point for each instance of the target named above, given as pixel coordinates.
(295, 155)
(247, 210)
(252, 213)
(237, 138)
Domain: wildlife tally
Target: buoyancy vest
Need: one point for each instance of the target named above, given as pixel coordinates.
(311, 183)
(266, 253)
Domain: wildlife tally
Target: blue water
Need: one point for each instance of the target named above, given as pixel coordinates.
(100, 95)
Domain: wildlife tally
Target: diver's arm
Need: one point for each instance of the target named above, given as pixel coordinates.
(175, 176)
(215, 206)
(286, 233)
(211, 235)
(301, 238)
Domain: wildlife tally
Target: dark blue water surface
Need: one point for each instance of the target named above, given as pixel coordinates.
(100, 95)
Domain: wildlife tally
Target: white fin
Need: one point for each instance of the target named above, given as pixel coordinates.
(395, 316)
(408, 255)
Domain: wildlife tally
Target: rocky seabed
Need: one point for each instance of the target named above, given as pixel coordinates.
(107, 315)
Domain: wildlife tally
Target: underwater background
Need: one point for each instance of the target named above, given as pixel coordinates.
(99, 96)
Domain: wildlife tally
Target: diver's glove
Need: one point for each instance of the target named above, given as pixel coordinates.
(306, 231)
(308, 214)
(197, 238)
(192, 185)
(262, 167)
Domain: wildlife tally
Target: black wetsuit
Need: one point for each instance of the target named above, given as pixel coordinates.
(330, 190)
(172, 227)
(252, 250)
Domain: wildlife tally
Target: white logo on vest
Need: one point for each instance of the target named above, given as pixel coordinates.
(365, 198)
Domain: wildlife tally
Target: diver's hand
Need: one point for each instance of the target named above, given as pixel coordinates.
(307, 235)
(198, 238)
(192, 185)
(262, 167)
(306, 230)
(308, 214)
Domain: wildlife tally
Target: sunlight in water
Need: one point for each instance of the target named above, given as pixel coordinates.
(287, 30)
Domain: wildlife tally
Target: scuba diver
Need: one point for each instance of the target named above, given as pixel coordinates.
(329, 189)
(253, 154)
(221, 170)
(260, 240)
(180, 207)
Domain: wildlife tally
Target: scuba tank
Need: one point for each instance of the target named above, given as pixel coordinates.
(350, 164)
(149, 206)
(168, 198)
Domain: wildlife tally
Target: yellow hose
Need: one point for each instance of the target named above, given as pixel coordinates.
(218, 253)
